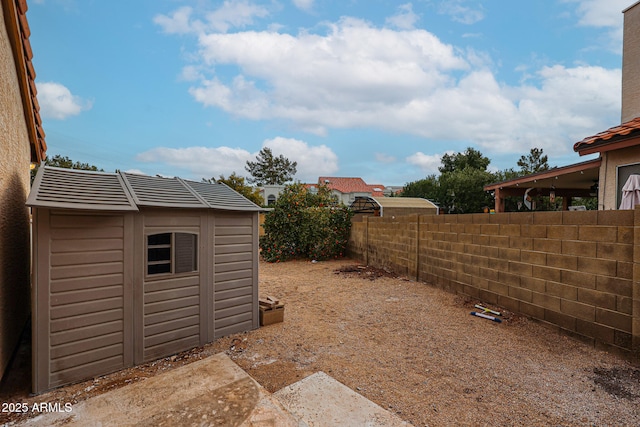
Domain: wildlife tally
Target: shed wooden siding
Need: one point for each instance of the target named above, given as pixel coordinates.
(83, 313)
(172, 304)
(236, 273)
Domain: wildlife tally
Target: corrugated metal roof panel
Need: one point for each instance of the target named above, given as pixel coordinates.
(404, 202)
(164, 192)
(220, 196)
(76, 189)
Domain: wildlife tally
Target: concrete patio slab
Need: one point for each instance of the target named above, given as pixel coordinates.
(320, 401)
(217, 392)
(213, 391)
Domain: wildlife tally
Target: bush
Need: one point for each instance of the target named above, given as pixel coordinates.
(305, 225)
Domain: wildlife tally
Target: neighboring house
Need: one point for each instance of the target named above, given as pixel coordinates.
(270, 193)
(618, 146)
(619, 149)
(130, 268)
(22, 142)
(345, 190)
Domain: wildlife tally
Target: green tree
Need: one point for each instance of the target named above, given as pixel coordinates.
(270, 170)
(237, 183)
(464, 190)
(470, 158)
(426, 188)
(460, 186)
(65, 162)
(304, 224)
(534, 162)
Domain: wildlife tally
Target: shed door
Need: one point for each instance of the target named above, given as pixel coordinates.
(171, 310)
(236, 270)
(83, 312)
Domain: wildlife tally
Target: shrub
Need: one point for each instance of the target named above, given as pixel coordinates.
(305, 225)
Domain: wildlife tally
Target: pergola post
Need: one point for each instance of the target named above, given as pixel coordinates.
(499, 201)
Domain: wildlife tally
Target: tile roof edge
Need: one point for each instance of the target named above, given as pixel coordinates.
(15, 19)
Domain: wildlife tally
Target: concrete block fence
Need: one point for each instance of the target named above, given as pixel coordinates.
(576, 271)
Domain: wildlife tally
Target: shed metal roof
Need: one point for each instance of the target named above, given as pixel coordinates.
(221, 196)
(162, 192)
(76, 189)
(404, 202)
(373, 204)
(88, 190)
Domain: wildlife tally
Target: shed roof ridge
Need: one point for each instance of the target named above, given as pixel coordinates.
(193, 191)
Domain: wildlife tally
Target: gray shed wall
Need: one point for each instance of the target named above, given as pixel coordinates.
(96, 310)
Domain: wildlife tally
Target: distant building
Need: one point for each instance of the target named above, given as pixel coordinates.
(347, 189)
(344, 189)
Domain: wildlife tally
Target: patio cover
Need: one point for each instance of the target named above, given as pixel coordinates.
(576, 180)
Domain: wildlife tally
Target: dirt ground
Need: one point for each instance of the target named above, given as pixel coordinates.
(411, 348)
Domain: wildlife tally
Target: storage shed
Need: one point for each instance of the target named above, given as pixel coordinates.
(392, 206)
(131, 268)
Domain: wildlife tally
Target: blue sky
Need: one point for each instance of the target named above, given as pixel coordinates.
(377, 89)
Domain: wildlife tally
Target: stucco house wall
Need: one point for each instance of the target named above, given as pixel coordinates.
(15, 154)
(630, 66)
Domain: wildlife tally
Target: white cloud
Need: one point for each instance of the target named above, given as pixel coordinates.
(379, 70)
(427, 163)
(204, 162)
(356, 75)
(603, 14)
(312, 161)
(405, 19)
(231, 14)
(57, 102)
(304, 4)
(235, 14)
(208, 162)
(461, 12)
(178, 22)
(384, 158)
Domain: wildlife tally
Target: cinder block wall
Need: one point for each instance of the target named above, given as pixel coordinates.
(573, 270)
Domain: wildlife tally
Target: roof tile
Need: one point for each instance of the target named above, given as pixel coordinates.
(623, 129)
(349, 185)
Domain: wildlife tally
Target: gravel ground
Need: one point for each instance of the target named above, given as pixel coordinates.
(414, 350)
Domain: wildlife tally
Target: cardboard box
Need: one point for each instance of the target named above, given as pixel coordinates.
(271, 315)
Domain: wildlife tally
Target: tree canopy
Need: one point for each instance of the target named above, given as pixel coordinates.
(305, 224)
(270, 170)
(460, 186)
(65, 162)
(237, 183)
(470, 158)
(534, 162)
